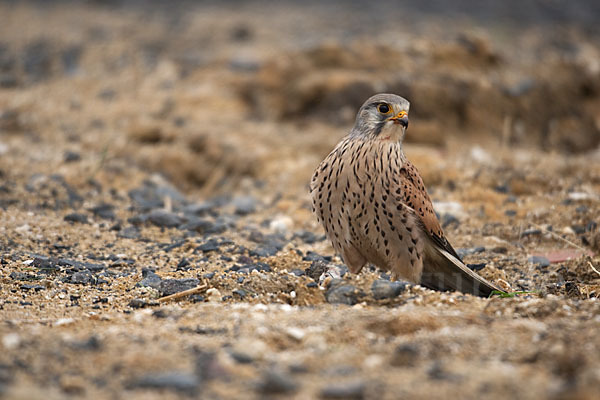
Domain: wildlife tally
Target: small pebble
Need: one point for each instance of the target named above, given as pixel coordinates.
(343, 294)
(276, 382)
(350, 390)
(383, 289)
(539, 260)
(165, 219)
(173, 380)
(76, 218)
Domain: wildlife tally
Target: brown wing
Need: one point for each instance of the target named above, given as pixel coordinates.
(416, 197)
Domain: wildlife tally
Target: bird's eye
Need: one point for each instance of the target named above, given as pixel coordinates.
(383, 108)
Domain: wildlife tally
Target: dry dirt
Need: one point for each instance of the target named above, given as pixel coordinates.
(146, 150)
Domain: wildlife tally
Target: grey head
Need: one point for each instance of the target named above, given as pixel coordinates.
(382, 116)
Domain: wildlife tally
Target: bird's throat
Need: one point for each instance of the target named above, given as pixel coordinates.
(391, 132)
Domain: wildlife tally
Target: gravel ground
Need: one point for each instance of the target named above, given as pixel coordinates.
(148, 152)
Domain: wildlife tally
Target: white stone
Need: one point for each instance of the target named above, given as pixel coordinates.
(64, 321)
(281, 224)
(213, 295)
(295, 333)
(11, 341)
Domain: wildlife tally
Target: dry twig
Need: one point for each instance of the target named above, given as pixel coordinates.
(179, 295)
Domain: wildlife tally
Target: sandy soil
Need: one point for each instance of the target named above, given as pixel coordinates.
(144, 152)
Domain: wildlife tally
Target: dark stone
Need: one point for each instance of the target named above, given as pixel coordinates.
(531, 232)
(210, 245)
(183, 263)
(312, 256)
(581, 209)
(149, 279)
(239, 292)
(265, 251)
(203, 226)
(172, 380)
(386, 289)
(129, 232)
(248, 268)
(539, 260)
(70, 59)
(385, 276)
(208, 366)
(350, 390)
(93, 343)
(274, 241)
(204, 331)
(298, 272)
(242, 33)
(316, 269)
(468, 251)
(76, 217)
(510, 213)
(476, 267)
(37, 60)
(160, 314)
(200, 209)
(308, 237)
(47, 264)
(27, 287)
(145, 198)
(504, 188)
(572, 290)
(104, 211)
(244, 64)
(141, 303)
(107, 94)
(138, 220)
(578, 229)
(152, 195)
(8, 62)
(245, 259)
(196, 298)
(276, 382)
(171, 286)
(165, 219)
(171, 246)
(511, 199)
(449, 219)
(82, 277)
(244, 205)
(343, 294)
(20, 276)
(208, 275)
(312, 285)
(79, 265)
(405, 355)
(71, 156)
(241, 358)
(438, 372)
(8, 80)
(521, 88)
(11, 121)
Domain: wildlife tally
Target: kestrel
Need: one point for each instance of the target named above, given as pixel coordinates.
(374, 206)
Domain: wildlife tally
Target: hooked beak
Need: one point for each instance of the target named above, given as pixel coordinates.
(401, 118)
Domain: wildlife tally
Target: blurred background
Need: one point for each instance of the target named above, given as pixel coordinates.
(209, 93)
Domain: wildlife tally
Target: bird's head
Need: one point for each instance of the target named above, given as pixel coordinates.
(383, 116)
